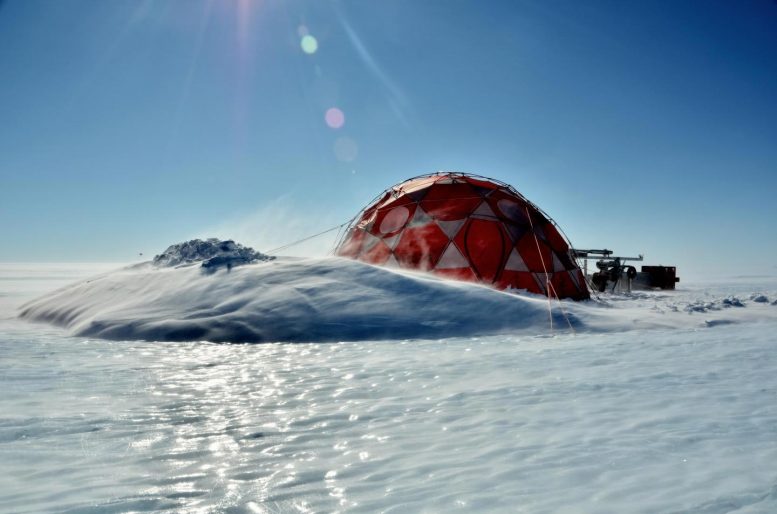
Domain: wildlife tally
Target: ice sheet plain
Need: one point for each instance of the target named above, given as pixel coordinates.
(657, 402)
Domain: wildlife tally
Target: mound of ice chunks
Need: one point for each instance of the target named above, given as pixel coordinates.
(725, 303)
(213, 253)
(732, 301)
(701, 306)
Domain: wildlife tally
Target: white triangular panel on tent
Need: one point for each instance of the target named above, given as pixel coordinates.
(573, 275)
(392, 241)
(451, 228)
(515, 231)
(557, 266)
(515, 262)
(369, 242)
(416, 196)
(484, 211)
(452, 259)
(482, 191)
(512, 210)
(420, 218)
(541, 278)
(392, 262)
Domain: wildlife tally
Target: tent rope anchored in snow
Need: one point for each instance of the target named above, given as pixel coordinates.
(466, 227)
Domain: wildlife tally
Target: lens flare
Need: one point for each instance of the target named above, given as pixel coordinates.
(309, 44)
(334, 117)
(346, 149)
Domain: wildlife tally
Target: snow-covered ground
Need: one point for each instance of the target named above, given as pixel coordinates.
(332, 299)
(464, 399)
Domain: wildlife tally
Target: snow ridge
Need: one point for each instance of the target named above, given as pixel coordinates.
(286, 299)
(333, 299)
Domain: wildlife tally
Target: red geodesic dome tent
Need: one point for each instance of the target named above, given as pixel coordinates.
(465, 227)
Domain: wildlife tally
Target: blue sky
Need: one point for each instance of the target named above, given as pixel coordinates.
(645, 127)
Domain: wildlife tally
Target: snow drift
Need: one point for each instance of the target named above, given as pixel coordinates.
(223, 292)
(287, 299)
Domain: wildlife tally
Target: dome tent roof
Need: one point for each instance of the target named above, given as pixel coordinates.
(465, 227)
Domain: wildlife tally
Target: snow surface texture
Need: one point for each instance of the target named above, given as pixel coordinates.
(332, 299)
(677, 420)
(288, 299)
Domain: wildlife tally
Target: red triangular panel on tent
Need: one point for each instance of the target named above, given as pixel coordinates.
(420, 247)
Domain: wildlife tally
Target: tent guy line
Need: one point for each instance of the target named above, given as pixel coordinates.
(298, 241)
